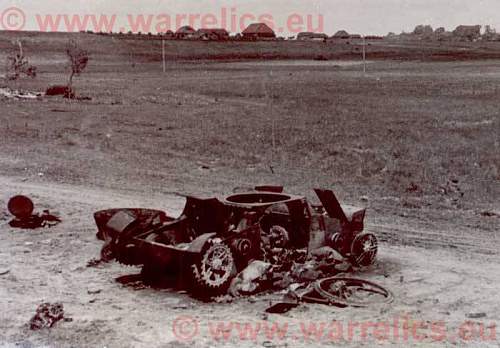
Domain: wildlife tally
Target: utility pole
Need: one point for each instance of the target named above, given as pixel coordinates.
(271, 112)
(364, 55)
(163, 55)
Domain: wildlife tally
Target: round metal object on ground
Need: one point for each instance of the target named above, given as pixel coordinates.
(21, 207)
(352, 292)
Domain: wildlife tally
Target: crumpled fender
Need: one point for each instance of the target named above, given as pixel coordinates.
(197, 244)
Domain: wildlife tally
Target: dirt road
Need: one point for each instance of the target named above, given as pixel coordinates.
(436, 291)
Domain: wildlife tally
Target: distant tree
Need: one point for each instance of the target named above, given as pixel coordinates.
(18, 64)
(78, 60)
(490, 33)
(423, 30)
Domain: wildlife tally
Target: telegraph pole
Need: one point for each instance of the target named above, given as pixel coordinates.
(364, 55)
(163, 55)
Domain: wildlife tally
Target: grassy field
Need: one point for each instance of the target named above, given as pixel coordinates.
(416, 138)
(48, 47)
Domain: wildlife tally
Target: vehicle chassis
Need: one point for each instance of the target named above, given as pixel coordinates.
(213, 240)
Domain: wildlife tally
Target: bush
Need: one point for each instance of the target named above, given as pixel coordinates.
(18, 65)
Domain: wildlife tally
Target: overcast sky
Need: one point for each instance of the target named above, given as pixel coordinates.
(355, 16)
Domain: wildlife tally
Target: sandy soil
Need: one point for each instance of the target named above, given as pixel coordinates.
(50, 265)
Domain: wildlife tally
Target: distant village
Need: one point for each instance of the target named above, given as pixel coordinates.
(262, 32)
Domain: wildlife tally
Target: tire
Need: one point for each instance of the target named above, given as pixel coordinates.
(346, 292)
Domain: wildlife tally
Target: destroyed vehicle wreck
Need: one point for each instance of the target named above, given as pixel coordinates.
(214, 240)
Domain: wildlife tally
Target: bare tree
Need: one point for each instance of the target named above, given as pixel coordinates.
(18, 64)
(490, 33)
(78, 59)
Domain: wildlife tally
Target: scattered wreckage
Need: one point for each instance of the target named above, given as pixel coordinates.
(263, 237)
(47, 315)
(18, 94)
(22, 208)
(338, 291)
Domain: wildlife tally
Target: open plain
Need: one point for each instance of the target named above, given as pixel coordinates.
(416, 139)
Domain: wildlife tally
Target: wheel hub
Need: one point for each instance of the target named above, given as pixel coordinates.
(217, 265)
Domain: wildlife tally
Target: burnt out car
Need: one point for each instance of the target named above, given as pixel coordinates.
(215, 239)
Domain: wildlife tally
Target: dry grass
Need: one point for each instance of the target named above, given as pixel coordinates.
(406, 130)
